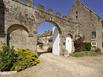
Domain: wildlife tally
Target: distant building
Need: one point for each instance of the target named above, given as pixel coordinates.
(45, 38)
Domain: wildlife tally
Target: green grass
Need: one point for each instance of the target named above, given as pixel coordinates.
(85, 53)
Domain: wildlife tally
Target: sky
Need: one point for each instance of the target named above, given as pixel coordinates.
(64, 6)
(44, 27)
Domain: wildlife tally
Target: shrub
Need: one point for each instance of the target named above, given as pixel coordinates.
(40, 44)
(25, 58)
(86, 46)
(77, 43)
(49, 49)
(7, 58)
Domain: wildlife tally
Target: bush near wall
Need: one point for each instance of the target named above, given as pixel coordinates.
(17, 60)
(7, 58)
(25, 58)
(78, 43)
(40, 44)
(49, 49)
(85, 46)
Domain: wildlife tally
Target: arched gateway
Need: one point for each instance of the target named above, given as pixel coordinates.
(19, 22)
(55, 37)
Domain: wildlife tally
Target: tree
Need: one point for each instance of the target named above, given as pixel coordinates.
(78, 42)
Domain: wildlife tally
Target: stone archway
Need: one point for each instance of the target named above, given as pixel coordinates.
(17, 36)
(56, 38)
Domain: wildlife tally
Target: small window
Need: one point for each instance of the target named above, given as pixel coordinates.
(76, 17)
(76, 14)
(93, 35)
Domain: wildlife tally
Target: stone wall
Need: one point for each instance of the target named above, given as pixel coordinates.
(19, 16)
(15, 15)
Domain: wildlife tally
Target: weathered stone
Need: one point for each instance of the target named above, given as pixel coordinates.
(16, 16)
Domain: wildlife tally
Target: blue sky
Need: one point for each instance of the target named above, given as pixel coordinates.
(64, 6)
(44, 27)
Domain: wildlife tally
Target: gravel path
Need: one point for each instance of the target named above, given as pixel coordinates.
(57, 66)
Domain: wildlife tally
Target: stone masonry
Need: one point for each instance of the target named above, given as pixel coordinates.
(19, 21)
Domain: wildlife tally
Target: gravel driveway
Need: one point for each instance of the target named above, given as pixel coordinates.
(58, 66)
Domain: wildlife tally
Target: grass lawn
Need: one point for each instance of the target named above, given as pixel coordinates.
(85, 53)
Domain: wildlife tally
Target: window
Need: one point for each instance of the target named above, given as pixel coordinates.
(76, 17)
(93, 35)
(76, 14)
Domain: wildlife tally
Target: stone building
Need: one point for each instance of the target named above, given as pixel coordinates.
(19, 21)
(90, 23)
(45, 38)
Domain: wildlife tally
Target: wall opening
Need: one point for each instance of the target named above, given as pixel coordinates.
(48, 38)
(93, 35)
(17, 36)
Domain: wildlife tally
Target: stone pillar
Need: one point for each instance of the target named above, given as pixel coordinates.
(99, 37)
(33, 39)
(61, 46)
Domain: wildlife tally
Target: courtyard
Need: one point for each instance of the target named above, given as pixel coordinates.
(59, 66)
